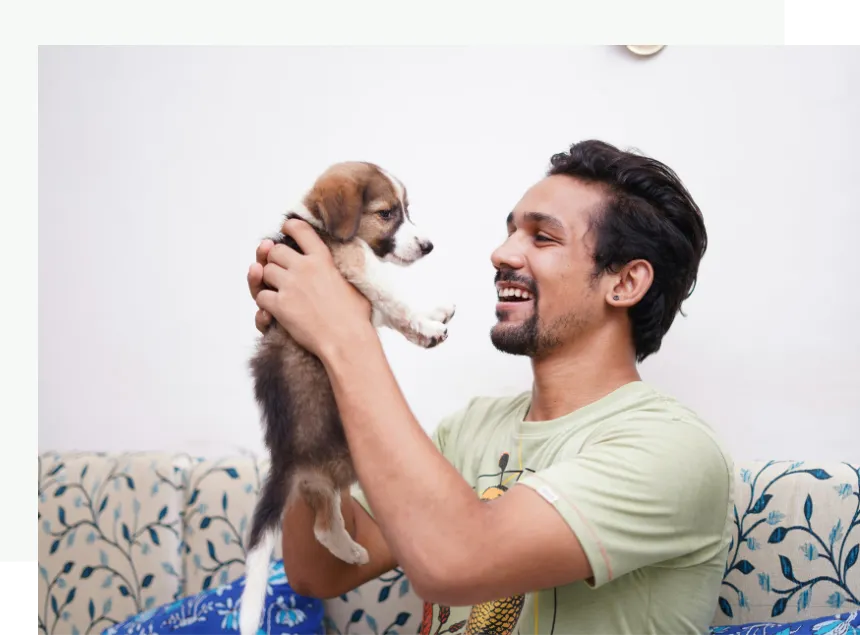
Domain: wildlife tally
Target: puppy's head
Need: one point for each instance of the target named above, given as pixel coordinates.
(357, 200)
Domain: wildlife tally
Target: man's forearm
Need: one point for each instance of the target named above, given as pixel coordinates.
(420, 501)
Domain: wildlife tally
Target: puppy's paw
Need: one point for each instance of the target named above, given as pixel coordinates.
(359, 555)
(429, 332)
(442, 313)
(343, 547)
(350, 552)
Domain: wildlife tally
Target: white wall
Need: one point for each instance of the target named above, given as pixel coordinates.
(161, 168)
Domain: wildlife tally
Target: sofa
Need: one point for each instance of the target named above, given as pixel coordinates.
(120, 534)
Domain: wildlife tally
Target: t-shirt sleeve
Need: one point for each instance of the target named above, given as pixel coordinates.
(643, 493)
(441, 437)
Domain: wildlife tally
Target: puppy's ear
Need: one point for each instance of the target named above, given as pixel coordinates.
(339, 205)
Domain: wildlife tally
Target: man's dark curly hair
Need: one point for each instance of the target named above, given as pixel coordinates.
(649, 214)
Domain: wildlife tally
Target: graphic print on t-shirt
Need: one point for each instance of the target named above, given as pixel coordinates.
(496, 617)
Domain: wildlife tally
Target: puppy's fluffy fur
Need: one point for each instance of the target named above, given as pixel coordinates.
(362, 214)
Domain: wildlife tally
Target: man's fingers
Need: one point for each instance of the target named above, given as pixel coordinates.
(263, 251)
(255, 279)
(273, 275)
(305, 235)
(262, 320)
(283, 256)
(255, 272)
(266, 300)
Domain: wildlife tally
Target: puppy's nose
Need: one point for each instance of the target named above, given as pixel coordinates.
(426, 247)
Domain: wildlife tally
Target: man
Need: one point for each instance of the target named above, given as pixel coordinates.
(590, 504)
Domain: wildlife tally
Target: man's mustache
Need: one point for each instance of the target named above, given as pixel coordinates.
(509, 275)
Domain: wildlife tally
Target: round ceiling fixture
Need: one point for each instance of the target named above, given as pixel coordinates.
(645, 49)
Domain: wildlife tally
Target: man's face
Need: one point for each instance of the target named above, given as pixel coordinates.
(548, 297)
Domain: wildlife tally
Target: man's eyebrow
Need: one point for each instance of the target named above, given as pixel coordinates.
(539, 218)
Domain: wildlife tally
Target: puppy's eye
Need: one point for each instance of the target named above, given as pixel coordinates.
(384, 214)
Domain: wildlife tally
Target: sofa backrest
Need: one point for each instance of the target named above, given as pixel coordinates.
(120, 534)
(795, 542)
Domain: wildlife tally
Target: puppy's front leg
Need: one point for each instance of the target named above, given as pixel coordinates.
(423, 330)
(361, 267)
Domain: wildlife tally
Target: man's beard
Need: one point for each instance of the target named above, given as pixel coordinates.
(530, 338)
(521, 339)
(533, 338)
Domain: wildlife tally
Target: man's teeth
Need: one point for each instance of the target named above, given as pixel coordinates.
(511, 292)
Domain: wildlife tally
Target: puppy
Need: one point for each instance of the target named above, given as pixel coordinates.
(361, 213)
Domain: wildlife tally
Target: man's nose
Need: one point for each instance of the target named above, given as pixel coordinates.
(507, 255)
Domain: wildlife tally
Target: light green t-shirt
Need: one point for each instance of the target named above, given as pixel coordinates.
(642, 482)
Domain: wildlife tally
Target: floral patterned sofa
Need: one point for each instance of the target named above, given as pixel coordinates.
(120, 534)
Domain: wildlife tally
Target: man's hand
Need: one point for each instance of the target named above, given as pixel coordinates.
(255, 283)
(308, 296)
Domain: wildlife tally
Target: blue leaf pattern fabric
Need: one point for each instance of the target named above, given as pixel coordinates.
(216, 612)
(795, 526)
(838, 624)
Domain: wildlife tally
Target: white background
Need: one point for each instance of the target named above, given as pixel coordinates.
(160, 169)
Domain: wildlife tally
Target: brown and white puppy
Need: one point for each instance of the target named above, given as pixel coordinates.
(362, 214)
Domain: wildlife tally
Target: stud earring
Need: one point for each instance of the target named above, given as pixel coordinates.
(615, 297)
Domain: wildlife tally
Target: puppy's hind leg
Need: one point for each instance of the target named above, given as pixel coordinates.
(329, 526)
(333, 535)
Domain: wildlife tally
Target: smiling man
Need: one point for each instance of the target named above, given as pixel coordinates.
(591, 503)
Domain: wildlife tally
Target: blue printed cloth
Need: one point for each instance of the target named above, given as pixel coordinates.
(216, 611)
(839, 624)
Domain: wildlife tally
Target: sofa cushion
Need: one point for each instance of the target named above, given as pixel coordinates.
(215, 611)
(839, 624)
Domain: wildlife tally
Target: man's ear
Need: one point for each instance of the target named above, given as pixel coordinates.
(339, 203)
(632, 283)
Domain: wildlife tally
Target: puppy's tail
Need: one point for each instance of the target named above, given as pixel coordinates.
(265, 527)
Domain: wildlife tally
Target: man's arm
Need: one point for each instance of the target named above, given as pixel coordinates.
(433, 523)
(647, 491)
(312, 569)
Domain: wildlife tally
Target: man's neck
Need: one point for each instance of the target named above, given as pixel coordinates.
(568, 380)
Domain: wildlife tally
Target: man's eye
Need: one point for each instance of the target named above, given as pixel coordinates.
(542, 239)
